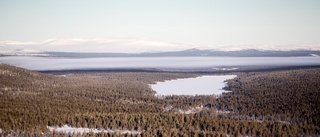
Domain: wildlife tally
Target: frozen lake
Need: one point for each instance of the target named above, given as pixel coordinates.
(204, 85)
(55, 63)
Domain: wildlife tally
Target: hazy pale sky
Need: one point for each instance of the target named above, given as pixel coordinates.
(201, 22)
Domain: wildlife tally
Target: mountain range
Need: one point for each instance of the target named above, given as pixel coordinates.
(142, 47)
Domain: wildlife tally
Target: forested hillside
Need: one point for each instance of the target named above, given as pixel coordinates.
(278, 103)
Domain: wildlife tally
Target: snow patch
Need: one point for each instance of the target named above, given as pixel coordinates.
(167, 109)
(68, 129)
(222, 112)
(191, 111)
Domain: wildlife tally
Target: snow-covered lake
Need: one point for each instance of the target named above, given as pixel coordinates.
(204, 85)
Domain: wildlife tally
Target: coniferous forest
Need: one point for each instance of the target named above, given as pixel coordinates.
(271, 103)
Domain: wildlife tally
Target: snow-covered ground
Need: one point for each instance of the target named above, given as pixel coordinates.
(205, 85)
(191, 111)
(68, 129)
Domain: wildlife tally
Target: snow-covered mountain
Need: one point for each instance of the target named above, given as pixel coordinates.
(96, 45)
(109, 47)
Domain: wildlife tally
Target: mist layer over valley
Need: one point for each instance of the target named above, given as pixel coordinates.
(161, 63)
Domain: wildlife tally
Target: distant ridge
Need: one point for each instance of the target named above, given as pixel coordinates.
(184, 53)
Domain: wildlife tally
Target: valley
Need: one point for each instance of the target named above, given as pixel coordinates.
(268, 103)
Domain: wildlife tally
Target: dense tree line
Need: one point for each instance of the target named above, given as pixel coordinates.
(288, 96)
(279, 103)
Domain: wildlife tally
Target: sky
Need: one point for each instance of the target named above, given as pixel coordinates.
(184, 23)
